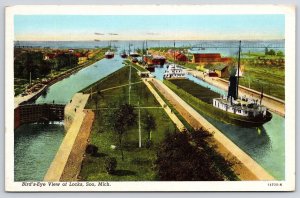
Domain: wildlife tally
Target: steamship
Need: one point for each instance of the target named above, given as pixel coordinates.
(241, 110)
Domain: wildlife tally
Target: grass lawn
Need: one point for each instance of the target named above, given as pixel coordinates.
(196, 90)
(138, 164)
(271, 78)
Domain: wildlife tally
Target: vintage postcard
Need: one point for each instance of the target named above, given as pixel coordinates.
(150, 98)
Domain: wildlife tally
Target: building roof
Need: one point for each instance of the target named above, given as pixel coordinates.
(207, 55)
(218, 67)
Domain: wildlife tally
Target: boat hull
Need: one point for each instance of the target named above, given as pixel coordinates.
(110, 56)
(245, 121)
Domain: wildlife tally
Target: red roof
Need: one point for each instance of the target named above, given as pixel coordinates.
(208, 55)
(181, 57)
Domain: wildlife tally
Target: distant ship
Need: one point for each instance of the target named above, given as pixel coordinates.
(174, 71)
(134, 54)
(123, 54)
(240, 110)
(109, 54)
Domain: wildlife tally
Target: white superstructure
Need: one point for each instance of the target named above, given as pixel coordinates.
(174, 71)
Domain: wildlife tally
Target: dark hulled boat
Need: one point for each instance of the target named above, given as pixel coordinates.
(123, 54)
(242, 111)
(109, 54)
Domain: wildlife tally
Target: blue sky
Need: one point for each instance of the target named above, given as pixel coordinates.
(167, 27)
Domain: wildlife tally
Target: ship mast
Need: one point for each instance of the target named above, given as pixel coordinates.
(174, 53)
(238, 70)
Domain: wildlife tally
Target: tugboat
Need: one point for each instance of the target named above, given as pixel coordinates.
(240, 110)
(109, 54)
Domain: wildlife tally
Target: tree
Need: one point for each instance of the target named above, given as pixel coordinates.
(149, 124)
(96, 98)
(271, 52)
(186, 157)
(110, 164)
(121, 119)
(280, 53)
(266, 51)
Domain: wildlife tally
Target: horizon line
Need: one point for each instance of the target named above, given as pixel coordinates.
(151, 40)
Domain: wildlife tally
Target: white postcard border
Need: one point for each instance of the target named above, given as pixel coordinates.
(288, 11)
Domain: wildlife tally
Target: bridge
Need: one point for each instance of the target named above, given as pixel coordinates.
(41, 113)
(200, 45)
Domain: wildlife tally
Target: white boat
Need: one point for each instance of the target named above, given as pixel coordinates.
(174, 71)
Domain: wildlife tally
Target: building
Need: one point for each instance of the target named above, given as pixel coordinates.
(209, 58)
(179, 56)
(217, 70)
(82, 59)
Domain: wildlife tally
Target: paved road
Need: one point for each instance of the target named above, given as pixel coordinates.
(247, 168)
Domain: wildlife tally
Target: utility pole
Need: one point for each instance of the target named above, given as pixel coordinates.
(30, 78)
(91, 93)
(140, 134)
(129, 83)
(238, 72)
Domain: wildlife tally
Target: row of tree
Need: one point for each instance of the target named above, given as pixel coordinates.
(273, 52)
(33, 63)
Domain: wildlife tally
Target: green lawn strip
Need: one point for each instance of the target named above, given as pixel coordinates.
(271, 78)
(184, 122)
(117, 78)
(199, 92)
(135, 66)
(139, 94)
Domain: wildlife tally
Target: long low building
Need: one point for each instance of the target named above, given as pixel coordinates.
(210, 58)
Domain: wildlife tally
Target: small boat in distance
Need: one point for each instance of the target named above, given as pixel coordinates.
(134, 54)
(123, 54)
(109, 54)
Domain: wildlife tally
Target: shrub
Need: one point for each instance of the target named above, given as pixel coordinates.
(110, 165)
(91, 149)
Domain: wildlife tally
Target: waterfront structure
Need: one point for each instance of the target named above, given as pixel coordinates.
(218, 70)
(43, 113)
(178, 56)
(204, 58)
(154, 59)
